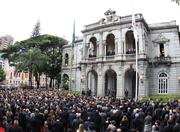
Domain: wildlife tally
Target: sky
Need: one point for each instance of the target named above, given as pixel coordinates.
(18, 17)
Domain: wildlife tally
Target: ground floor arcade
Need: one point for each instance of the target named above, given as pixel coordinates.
(114, 81)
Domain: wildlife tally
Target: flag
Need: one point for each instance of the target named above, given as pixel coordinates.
(73, 36)
(134, 26)
(135, 37)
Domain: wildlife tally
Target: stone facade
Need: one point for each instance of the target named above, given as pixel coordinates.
(103, 60)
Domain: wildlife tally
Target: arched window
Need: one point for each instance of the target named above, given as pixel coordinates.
(163, 83)
(66, 81)
(92, 47)
(110, 45)
(130, 43)
(66, 59)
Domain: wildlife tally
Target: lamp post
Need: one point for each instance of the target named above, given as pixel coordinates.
(141, 78)
(30, 69)
(179, 79)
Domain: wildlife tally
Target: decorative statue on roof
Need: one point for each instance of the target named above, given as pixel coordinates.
(110, 16)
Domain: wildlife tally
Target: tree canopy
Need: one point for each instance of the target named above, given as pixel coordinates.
(2, 74)
(40, 55)
(36, 30)
(177, 1)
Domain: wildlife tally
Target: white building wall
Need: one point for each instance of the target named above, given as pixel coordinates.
(120, 62)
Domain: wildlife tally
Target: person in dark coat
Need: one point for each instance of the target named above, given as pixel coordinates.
(97, 121)
(22, 120)
(137, 123)
(124, 124)
(76, 122)
(89, 124)
(16, 127)
(64, 117)
(71, 117)
(168, 127)
(57, 126)
(103, 116)
(177, 126)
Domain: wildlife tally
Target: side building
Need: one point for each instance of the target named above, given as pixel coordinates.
(14, 78)
(106, 58)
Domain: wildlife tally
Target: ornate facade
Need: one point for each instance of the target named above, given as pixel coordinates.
(103, 60)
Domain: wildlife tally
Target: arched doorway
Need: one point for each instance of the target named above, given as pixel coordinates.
(92, 81)
(66, 82)
(110, 45)
(130, 83)
(110, 83)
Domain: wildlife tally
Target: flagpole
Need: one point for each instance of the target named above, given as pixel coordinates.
(136, 69)
(135, 37)
(72, 53)
(71, 69)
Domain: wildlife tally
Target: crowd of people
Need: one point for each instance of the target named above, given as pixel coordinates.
(56, 111)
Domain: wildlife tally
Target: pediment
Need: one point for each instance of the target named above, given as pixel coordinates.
(161, 39)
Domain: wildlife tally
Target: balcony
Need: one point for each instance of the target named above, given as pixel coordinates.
(129, 57)
(162, 60)
(114, 57)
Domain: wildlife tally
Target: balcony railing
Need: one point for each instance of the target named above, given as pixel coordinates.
(110, 53)
(162, 60)
(130, 56)
(116, 57)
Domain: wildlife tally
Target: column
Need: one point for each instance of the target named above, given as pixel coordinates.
(101, 82)
(100, 86)
(104, 43)
(141, 42)
(143, 83)
(83, 79)
(120, 43)
(100, 43)
(120, 84)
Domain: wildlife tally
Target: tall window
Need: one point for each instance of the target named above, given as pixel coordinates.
(110, 45)
(130, 43)
(66, 59)
(92, 47)
(163, 83)
(161, 48)
(11, 75)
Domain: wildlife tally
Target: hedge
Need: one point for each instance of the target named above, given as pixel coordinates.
(72, 91)
(161, 97)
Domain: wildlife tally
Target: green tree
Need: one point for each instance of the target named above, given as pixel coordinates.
(177, 1)
(2, 74)
(32, 61)
(36, 30)
(50, 46)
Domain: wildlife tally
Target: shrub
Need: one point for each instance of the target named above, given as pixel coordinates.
(162, 97)
(72, 91)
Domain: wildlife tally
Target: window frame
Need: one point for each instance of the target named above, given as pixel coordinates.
(163, 83)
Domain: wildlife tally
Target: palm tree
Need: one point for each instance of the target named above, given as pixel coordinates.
(32, 61)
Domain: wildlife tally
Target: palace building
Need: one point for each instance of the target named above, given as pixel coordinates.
(104, 59)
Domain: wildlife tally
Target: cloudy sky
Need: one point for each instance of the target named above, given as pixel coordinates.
(18, 17)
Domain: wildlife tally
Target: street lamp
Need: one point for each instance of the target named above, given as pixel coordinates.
(30, 69)
(141, 78)
(179, 79)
